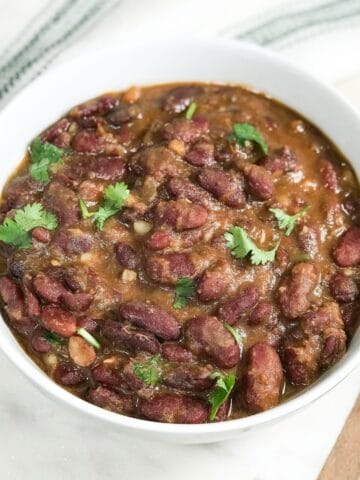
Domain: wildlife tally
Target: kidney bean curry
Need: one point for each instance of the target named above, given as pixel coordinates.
(182, 253)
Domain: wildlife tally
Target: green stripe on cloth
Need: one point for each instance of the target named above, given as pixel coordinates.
(299, 21)
(59, 23)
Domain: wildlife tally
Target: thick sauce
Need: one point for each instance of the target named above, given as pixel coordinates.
(190, 181)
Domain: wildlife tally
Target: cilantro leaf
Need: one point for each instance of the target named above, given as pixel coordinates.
(240, 244)
(224, 387)
(149, 371)
(245, 131)
(285, 221)
(13, 234)
(114, 200)
(34, 215)
(184, 290)
(42, 156)
(52, 338)
(234, 333)
(14, 231)
(190, 111)
(88, 337)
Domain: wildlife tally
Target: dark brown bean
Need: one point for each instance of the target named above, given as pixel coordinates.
(125, 255)
(106, 375)
(170, 267)
(226, 187)
(195, 378)
(207, 335)
(110, 400)
(175, 352)
(263, 378)
(123, 114)
(68, 375)
(201, 154)
(343, 288)
(73, 241)
(296, 288)
(127, 337)
(171, 408)
(244, 300)
(259, 182)
(152, 318)
(58, 320)
(261, 314)
(181, 214)
(215, 282)
(347, 251)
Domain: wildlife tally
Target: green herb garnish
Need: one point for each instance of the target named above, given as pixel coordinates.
(14, 231)
(243, 132)
(42, 156)
(184, 290)
(223, 388)
(234, 333)
(240, 245)
(53, 338)
(88, 337)
(190, 111)
(149, 371)
(114, 200)
(285, 221)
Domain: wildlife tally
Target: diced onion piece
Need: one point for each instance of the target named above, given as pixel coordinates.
(141, 227)
(88, 337)
(50, 360)
(128, 276)
(177, 147)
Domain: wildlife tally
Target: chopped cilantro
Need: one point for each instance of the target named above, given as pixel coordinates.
(287, 222)
(184, 290)
(190, 111)
(234, 333)
(241, 245)
(220, 394)
(52, 338)
(42, 156)
(243, 132)
(149, 371)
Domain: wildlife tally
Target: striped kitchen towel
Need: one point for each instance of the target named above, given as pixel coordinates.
(318, 34)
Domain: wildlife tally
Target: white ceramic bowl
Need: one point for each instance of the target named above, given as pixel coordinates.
(47, 98)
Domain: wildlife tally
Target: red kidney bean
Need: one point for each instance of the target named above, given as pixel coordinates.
(259, 182)
(201, 154)
(39, 343)
(318, 321)
(56, 133)
(80, 352)
(77, 302)
(181, 215)
(350, 313)
(106, 168)
(32, 304)
(207, 335)
(133, 382)
(91, 191)
(58, 320)
(226, 187)
(195, 378)
(127, 337)
(282, 259)
(88, 323)
(123, 114)
(159, 240)
(301, 362)
(244, 300)
(186, 131)
(184, 188)
(283, 160)
(343, 288)
(329, 175)
(19, 192)
(125, 255)
(73, 242)
(106, 375)
(175, 352)
(223, 412)
(171, 408)
(179, 98)
(68, 375)
(296, 288)
(99, 106)
(63, 202)
(263, 379)
(13, 299)
(49, 289)
(41, 235)
(215, 282)
(87, 141)
(158, 162)
(334, 347)
(261, 315)
(308, 237)
(170, 267)
(347, 251)
(110, 400)
(152, 318)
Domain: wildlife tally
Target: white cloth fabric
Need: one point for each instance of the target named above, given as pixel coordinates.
(40, 440)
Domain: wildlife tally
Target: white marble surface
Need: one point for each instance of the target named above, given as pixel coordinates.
(41, 440)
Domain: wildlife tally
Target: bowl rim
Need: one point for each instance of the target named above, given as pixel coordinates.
(28, 367)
